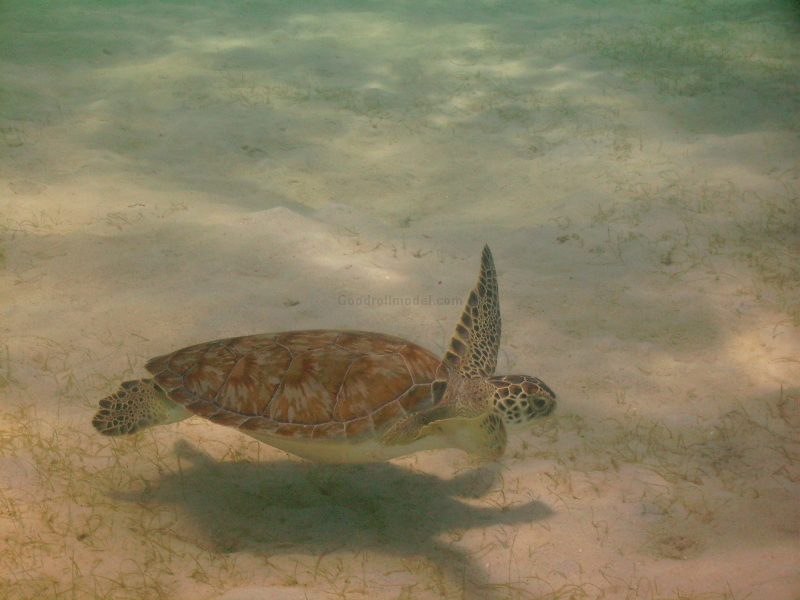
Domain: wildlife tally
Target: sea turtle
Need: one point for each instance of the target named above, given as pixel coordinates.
(343, 396)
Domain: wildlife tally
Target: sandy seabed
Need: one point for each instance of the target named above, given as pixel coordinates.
(177, 172)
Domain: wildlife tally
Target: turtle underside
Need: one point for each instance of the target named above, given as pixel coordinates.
(318, 384)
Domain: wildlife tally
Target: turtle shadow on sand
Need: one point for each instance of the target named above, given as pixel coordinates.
(290, 507)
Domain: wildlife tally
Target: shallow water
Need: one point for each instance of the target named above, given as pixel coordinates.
(178, 172)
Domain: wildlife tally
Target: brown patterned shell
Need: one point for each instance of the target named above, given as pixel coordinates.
(303, 384)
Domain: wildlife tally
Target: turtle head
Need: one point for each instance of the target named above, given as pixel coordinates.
(519, 399)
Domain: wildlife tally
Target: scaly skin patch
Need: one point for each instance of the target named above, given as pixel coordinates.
(136, 405)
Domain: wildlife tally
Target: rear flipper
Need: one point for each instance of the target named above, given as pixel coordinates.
(136, 405)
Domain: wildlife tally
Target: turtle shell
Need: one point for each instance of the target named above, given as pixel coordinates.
(303, 384)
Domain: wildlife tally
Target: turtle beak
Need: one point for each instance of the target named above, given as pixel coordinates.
(547, 408)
